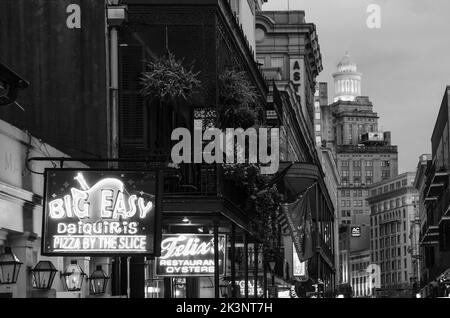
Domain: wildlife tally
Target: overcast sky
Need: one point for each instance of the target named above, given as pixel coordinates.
(405, 63)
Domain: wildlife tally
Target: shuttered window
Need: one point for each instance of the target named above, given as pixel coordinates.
(131, 105)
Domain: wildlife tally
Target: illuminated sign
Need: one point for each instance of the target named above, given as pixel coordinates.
(106, 212)
(251, 287)
(356, 231)
(299, 268)
(189, 255)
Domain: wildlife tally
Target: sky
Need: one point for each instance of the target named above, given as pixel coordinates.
(405, 63)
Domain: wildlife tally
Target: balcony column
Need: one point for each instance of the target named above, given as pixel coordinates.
(22, 246)
(255, 271)
(216, 259)
(246, 264)
(233, 261)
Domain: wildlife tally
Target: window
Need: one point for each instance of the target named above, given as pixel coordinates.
(318, 140)
(385, 163)
(357, 173)
(404, 182)
(357, 164)
(404, 238)
(369, 181)
(404, 226)
(345, 173)
(317, 115)
(405, 263)
(344, 163)
(317, 128)
(369, 173)
(404, 213)
(277, 62)
(385, 174)
(406, 276)
(369, 163)
(391, 187)
(397, 185)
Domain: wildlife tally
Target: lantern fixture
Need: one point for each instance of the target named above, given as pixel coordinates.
(73, 277)
(224, 290)
(98, 281)
(9, 267)
(43, 275)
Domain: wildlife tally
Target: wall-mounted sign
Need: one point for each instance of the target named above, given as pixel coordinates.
(296, 74)
(107, 212)
(189, 255)
(299, 268)
(356, 231)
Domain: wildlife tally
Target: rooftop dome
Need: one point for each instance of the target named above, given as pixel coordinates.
(346, 64)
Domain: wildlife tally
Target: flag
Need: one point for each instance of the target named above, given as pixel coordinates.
(299, 218)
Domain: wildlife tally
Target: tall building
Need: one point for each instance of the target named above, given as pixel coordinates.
(435, 232)
(394, 208)
(364, 155)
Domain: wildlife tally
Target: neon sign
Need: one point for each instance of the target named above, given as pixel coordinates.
(189, 255)
(88, 212)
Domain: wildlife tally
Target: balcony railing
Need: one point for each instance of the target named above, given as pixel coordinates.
(436, 183)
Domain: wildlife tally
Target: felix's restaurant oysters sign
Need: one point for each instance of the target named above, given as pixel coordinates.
(189, 255)
(88, 212)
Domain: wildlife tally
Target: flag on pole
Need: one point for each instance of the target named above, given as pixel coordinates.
(299, 219)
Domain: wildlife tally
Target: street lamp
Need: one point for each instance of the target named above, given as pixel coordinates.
(43, 275)
(98, 281)
(73, 277)
(9, 267)
(272, 264)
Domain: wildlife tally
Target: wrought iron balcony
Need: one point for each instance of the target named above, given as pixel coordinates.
(437, 182)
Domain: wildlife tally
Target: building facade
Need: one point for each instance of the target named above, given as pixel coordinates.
(394, 209)
(435, 193)
(289, 54)
(99, 113)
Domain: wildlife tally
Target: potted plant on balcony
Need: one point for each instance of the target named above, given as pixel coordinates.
(168, 80)
(237, 100)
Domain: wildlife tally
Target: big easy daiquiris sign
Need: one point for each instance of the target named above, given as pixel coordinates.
(101, 212)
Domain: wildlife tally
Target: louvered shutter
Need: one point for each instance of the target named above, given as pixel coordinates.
(131, 104)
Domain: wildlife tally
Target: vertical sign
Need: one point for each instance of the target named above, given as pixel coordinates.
(296, 74)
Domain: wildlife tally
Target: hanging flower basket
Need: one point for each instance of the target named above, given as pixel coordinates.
(166, 78)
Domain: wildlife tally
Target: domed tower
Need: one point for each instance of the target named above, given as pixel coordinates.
(347, 81)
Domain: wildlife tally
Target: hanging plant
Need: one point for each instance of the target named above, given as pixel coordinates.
(262, 201)
(167, 78)
(237, 100)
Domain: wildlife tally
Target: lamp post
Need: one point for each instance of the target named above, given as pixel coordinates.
(272, 264)
(73, 277)
(43, 275)
(9, 267)
(98, 281)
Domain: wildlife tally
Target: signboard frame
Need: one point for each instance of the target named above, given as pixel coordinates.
(157, 230)
(223, 266)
